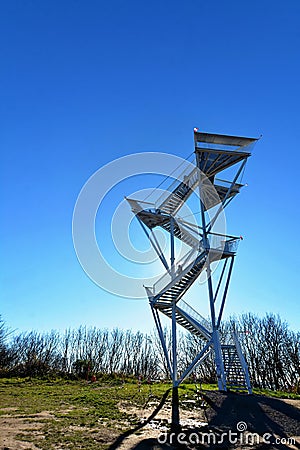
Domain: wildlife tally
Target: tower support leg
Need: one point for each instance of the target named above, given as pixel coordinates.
(175, 423)
(219, 361)
(221, 378)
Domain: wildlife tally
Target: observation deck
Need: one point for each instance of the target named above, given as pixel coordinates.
(217, 152)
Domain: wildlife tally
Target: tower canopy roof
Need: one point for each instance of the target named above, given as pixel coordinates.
(222, 139)
(217, 152)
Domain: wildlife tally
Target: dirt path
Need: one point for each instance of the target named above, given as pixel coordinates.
(12, 426)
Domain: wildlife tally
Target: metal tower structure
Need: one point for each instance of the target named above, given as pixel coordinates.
(214, 154)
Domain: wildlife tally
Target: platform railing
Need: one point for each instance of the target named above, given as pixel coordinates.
(185, 307)
(220, 243)
(246, 148)
(141, 205)
(226, 184)
(223, 243)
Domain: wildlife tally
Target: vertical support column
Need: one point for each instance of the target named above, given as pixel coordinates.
(175, 425)
(172, 247)
(215, 333)
(225, 292)
(161, 337)
(215, 336)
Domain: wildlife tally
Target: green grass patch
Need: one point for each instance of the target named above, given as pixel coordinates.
(85, 415)
(276, 394)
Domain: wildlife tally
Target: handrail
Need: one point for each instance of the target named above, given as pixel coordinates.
(218, 243)
(194, 314)
(184, 178)
(226, 183)
(182, 265)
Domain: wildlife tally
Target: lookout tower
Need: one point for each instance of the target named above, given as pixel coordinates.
(215, 155)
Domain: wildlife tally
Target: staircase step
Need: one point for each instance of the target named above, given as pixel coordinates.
(181, 320)
(176, 291)
(235, 377)
(180, 194)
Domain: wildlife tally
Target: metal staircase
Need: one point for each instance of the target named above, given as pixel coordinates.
(214, 153)
(153, 217)
(174, 290)
(235, 378)
(236, 369)
(180, 193)
(181, 233)
(188, 318)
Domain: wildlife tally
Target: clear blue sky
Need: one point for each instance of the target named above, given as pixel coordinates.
(85, 82)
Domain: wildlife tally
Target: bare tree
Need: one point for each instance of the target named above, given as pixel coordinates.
(272, 351)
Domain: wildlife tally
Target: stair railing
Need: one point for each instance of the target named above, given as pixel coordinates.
(242, 361)
(185, 307)
(183, 266)
(188, 177)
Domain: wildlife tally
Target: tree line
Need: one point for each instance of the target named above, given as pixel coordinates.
(271, 349)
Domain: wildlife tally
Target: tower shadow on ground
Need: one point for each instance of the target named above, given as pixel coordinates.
(261, 415)
(225, 410)
(116, 444)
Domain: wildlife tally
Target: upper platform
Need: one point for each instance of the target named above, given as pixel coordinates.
(217, 152)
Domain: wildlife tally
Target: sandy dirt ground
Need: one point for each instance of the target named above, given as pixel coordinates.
(12, 426)
(279, 419)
